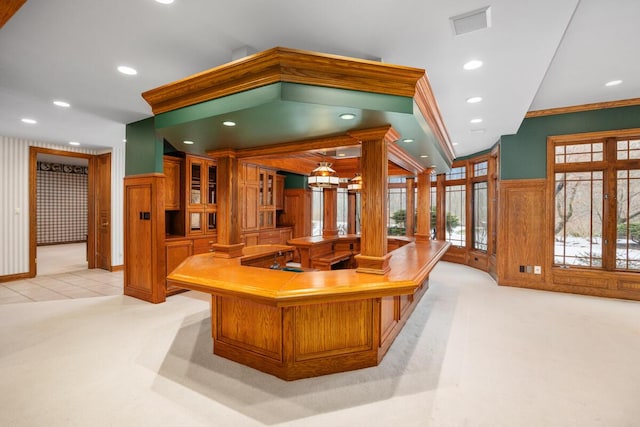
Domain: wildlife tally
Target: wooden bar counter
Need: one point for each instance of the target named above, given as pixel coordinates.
(302, 324)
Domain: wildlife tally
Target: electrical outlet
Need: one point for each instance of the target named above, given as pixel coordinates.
(537, 269)
(529, 269)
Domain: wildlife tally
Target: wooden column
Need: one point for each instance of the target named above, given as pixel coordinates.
(351, 213)
(330, 214)
(423, 230)
(373, 257)
(409, 223)
(228, 212)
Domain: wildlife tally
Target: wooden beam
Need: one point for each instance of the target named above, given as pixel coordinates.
(8, 8)
(428, 106)
(284, 65)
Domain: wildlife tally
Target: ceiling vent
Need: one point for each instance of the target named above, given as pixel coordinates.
(475, 20)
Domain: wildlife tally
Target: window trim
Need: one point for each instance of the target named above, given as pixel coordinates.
(610, 165)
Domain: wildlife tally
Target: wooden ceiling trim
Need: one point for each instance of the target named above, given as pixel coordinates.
(8, 8)
(428, 106)
(287, 65)
(584, 107)
(404, 160)
(312, 145)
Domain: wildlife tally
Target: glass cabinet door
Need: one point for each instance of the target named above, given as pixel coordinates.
(195, 222)
(270, 184)
(211, 221)
(211, 181)
(196, 184)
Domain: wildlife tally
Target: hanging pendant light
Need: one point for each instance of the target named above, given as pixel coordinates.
(355, 184)
(323, 176)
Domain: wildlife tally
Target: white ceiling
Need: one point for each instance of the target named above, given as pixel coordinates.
(537, 55)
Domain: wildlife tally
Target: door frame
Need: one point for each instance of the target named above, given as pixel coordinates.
(91, 208)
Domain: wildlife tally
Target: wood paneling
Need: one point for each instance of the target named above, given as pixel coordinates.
(8, 8)
(523, 225)
(174, 182)
(297, 211)
(144, 250)
(325, 330)
(250, 325)
(389, 316)
(176, 252)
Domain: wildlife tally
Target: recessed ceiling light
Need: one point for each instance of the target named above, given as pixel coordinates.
(475, 121)
(29, 121)
(74, 143)
(347, 116)
(188, 142)
(229, 123)
(408, 140)
(474, 99)
(164, 1)
(124, 139)
(455, 143)
(424, 156)
(472, 65)
(341, 154)
(62, 104)
(127, 70)
(613, 83)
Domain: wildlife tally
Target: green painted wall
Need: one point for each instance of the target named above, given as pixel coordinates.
(524, 156)
(293, 180)
(144, 149)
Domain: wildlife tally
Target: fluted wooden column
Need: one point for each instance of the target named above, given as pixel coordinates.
(409, 222)
(228, 244)
(423, 230)
(373, 257)
(330, 214)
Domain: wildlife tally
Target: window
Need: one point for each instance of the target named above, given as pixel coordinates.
(455, 203)
(597, 204)
(578, 226)
(480, 168)
(397, 209)
(317, 211)
(456, 173)
(628, 220)
(343, 210)
(480, 218)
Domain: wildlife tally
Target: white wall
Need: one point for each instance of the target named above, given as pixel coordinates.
(14, 202)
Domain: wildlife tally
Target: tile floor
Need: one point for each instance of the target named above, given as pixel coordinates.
(62, 275)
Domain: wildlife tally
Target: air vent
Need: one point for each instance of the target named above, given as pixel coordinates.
(475, 20)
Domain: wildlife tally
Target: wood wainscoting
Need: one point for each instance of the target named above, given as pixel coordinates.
(522, 232)
(525, 238)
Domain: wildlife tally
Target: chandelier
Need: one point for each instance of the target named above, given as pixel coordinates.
(355, 183)
(323, 176)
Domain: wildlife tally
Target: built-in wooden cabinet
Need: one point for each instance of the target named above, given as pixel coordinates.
(258, 204)
(279, 192)
(266, 199)
(173, 183)
(176, 251)
(201, 178)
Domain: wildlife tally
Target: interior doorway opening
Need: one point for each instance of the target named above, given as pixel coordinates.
(70, 226)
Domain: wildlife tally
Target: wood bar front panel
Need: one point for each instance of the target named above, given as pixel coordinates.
(249, 325)
(323, 330)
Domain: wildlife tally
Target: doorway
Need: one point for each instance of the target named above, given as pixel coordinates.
(87, 245)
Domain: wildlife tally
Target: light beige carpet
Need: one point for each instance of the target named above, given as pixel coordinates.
(472, 354)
